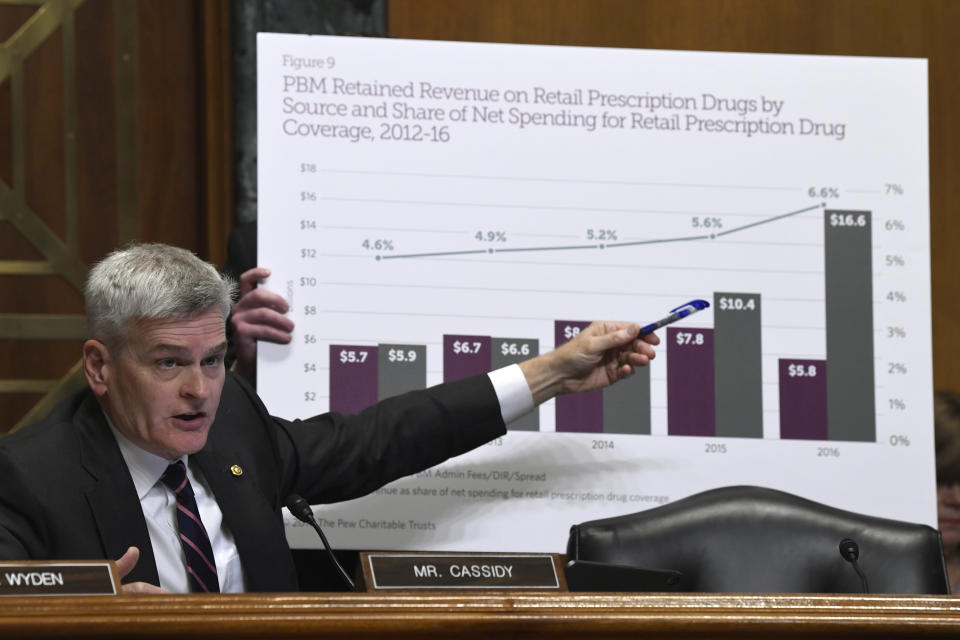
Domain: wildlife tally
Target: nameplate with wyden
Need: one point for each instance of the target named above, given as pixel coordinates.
(73, 578)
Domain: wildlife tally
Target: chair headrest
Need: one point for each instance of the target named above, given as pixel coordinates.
(748, 538)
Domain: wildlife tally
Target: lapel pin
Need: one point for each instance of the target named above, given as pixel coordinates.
(236, 470)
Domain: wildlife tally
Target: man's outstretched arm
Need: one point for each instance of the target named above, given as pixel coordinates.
(599, 356)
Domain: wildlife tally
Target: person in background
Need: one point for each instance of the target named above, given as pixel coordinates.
(946, 414)
(258, 314)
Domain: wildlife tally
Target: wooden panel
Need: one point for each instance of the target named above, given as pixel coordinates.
(920, 28)
(166, 169)
(44, 132)
(96, 131)
(43, 174)
(170, 195)
(482, 615)
(218, 129)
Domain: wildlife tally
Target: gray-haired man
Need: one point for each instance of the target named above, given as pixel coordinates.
(91, 480)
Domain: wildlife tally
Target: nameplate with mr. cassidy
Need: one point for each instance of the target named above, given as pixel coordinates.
(460, 571)
(73, 578)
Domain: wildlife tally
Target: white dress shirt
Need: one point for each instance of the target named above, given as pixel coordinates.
(160, 511)
(160, 505)
(512, 391)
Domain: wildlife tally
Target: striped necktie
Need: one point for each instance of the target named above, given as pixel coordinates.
(201, 567)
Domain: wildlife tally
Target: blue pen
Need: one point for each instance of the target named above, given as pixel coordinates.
(676, 314)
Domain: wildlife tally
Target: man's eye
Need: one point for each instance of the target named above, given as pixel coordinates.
(211, 361)
(168, 363)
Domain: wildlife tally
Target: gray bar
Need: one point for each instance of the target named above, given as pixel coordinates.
(737, 379)
(507, 351)
(400, 368)
(851, 410)
(626, 405)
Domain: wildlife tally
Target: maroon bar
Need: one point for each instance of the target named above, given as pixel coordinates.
(691, 403)
(803, 399)
(465, 356)
(581, 412)
(353, 377)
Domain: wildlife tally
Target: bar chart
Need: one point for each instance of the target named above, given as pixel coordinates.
(431, 251)
(714, 380)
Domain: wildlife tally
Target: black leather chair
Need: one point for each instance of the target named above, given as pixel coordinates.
(745, 539)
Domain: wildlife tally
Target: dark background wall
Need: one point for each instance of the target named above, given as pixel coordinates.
(332, 17)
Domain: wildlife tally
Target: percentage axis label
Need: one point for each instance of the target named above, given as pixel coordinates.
(893, 189)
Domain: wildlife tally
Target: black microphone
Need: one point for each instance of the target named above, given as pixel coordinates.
(850, 551)
(301, 510)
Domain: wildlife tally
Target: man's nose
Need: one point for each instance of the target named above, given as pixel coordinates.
(194, 384)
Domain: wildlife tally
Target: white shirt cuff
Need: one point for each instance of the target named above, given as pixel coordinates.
(512, 391)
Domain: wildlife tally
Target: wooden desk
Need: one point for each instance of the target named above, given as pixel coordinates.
(482, 615)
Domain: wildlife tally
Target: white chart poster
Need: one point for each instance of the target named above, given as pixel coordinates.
(436, 209)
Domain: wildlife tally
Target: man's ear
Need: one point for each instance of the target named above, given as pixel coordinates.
(97, 365)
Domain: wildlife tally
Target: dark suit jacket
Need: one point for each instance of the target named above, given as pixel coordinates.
(66, 493)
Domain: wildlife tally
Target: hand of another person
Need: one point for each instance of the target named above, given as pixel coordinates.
(125, 565)
(600, 355)
(258, 315)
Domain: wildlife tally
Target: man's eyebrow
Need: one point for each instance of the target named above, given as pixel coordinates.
(168, 348)
(180, 349)
(220, 348)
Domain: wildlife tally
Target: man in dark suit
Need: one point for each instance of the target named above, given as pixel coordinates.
(95, 478)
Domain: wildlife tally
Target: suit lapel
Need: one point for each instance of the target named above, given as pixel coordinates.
(256, 528)
(113, 499)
